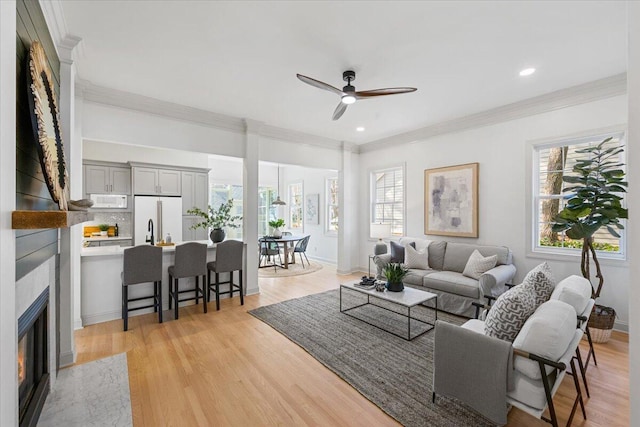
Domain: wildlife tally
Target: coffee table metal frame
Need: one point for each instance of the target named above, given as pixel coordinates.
(369, 293)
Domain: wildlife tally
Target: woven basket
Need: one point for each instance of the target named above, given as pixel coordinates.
(601, 323)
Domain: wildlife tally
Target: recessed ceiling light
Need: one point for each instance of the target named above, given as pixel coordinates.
(360, 128)
(527, 72)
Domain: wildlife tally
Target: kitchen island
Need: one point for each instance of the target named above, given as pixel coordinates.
(101, 284)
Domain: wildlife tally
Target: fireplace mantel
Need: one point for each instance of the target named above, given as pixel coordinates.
(21, 220)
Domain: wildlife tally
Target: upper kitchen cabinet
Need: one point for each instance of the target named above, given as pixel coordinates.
(103, 178)
(195, 191)
(151, 181)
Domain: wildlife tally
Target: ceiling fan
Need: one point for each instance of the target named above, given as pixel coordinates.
(348, 94)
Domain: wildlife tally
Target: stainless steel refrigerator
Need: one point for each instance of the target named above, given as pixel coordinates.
(166, 213)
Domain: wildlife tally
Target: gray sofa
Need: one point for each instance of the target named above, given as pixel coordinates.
(447, 260)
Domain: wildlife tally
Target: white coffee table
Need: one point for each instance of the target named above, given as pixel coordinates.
(408, 298)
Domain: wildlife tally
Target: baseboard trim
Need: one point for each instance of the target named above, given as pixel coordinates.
(621, 326)
(67, 359)
(77, 324)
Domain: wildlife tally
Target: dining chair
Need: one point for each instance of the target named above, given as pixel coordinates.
(142, 264)
(269, 248)
(228, 259)
(301, 249)
(190, 261)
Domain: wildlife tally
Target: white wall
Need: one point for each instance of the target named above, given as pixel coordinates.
(322, 245)
(500, 150)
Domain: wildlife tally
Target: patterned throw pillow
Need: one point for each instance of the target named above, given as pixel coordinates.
(477, 265)
(509, 312)
(397, 252)
(541, 282)
(415, 259)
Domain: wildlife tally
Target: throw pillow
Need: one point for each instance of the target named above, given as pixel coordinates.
(416, 259)
(541, 281)
(397, 252)
(507, 315)
(477, 265)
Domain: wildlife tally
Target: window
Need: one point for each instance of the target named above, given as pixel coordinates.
(219, 194)
(266, 211)
(387, 206)
(295, 206)
(332, 217)
(552, 162)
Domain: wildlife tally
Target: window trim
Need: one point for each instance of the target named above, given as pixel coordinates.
(289, 204)
(382, 168)
(532, 164)
(327, 232)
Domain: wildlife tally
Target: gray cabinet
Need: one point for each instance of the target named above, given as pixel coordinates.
(109, 243)
(156, 182)
(188, 234)
(100, 179)
(195, 191)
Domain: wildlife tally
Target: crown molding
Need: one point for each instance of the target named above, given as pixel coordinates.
(298, 137)
(128, 100)
(132, 101)
(575, 95)
(68, 47)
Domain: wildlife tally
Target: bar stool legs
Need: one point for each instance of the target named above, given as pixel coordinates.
(157, 303)
(174, 294)
(232, 287)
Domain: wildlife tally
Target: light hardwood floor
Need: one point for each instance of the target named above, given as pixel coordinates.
(228, 368)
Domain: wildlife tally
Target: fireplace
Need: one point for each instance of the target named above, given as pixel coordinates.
(33, 360)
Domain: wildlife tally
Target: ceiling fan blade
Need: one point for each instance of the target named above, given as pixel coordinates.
(386, 91)
(319, 84)
(339, 111)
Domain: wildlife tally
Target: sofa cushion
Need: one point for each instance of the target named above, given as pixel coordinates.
(397, 251)
(419, 244)
(477, 265)
(416, 259)
(547, 333)
(453, 283)
(416, 276)
(575, 291)
(436, 254)
(541, 281)
(528, 391)
(474, 325)
(509, 313)
(457, 255)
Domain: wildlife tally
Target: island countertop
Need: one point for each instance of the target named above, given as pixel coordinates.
(101, 283)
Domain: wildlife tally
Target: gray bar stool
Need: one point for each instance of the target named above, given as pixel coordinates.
(142, 264)
(228, 260)
(190, 261)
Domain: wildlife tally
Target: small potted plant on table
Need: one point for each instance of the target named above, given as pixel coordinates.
(217, 220)
(276, 225)
(394, 273)
(104, 229)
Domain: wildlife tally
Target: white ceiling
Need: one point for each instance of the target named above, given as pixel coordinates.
(241, 58)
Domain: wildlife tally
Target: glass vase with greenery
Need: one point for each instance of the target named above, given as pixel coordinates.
(216, 219)
(277, 225)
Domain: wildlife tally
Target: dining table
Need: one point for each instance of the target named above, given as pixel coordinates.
(288, 243)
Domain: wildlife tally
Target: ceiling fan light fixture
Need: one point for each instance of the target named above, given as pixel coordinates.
(527, 72)
(348, 99)
(360, 129)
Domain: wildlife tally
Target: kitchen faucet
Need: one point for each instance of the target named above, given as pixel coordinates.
(150, 228)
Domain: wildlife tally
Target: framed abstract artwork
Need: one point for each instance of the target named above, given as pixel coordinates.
(312, 209)
(451, 201)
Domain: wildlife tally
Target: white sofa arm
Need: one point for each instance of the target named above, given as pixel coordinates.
(381, 262)
(492, 283)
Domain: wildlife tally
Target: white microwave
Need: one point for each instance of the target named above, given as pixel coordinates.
(110, 201)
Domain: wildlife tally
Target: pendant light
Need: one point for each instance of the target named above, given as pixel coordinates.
(278, 201)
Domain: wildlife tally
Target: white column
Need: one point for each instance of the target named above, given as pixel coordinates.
(347, 209)
(633, 201)
(70, 238)
(8, 321)
(250, 203)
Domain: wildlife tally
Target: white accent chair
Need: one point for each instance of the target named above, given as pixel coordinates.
(542, 351)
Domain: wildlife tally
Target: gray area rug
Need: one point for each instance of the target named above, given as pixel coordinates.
(391, 372)
(92, 394)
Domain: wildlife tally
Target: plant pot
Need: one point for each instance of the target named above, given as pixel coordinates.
(601, 323)
(277, 233)
(103, 233)
(217, 235)
(395, 287)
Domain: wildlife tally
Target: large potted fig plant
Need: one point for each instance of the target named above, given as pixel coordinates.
(217, 220)
(595, 202)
